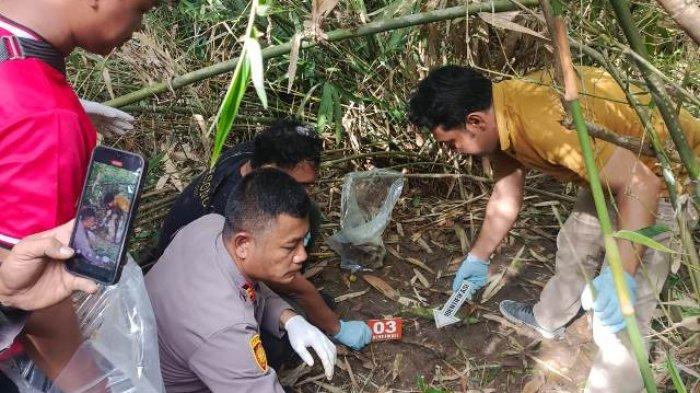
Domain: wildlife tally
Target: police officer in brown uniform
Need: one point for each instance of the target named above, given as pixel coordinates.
(209, 303)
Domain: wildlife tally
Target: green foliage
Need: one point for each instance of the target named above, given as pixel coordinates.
(675, 375)
(330, 111)
(250, 65)
(254, 56)
(654, 230)
(229, 107)
(335, 79)
(637, 237)
(106, 178)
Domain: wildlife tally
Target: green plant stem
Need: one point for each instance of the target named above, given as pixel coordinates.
(661, 99)
(560, 35)
(333, 36)
(664, 158)
(612, 251)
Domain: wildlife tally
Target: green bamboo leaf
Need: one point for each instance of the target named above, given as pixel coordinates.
(636, 237)
(257, 69)
(230, 105)
(326, 110)
(653, 230)
(675, 375)
(338, 116)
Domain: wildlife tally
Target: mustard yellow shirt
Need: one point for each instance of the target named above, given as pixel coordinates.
(122, 202)
(529, 115)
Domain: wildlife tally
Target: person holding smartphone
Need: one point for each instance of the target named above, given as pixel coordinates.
(32, 277)
(46, 136)
(211, 314)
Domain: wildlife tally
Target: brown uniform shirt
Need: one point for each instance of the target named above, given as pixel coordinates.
(529, 114)
(209, 316)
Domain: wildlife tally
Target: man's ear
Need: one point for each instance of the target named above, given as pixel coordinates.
(242, 243)
(476, 121)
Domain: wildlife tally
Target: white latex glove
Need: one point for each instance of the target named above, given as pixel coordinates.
(107, 119)
(302, 335)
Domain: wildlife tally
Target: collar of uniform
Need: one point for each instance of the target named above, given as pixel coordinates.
(499, 109)
(225, 260)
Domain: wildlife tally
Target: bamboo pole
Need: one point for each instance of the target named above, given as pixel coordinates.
(333, 36)
(659, 95)
(613, 253)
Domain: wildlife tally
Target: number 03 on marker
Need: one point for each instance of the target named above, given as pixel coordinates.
(386, 329)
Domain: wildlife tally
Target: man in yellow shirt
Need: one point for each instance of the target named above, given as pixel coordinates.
(517, 123)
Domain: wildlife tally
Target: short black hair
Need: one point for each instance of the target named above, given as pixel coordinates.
(287, 143)
(447, 95)
(87, 212)
(260, 197)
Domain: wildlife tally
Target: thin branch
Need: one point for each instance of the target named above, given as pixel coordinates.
(630, 143)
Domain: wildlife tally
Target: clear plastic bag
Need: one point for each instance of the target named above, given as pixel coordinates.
(120, 353)
(365, 209)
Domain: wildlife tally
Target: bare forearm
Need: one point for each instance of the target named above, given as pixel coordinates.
(52, 336)
(636, 189)
(317, 311)
(501, 212)
(637, 207)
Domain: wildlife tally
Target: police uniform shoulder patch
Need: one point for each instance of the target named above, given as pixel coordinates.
(258, 352)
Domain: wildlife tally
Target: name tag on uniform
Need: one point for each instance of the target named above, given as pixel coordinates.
(386, 329)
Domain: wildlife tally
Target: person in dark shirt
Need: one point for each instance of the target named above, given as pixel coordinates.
(294, 148)
(288, 144)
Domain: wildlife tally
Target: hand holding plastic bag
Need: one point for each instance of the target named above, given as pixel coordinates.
(120, 354)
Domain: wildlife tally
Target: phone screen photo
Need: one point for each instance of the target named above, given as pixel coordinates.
(106, 208)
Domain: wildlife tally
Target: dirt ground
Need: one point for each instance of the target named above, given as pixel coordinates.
(483, 353)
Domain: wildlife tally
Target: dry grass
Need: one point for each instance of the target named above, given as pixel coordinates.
(374, 76)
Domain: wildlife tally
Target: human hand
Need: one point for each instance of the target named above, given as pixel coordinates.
(33, 275)
(108, 119)
(302, 334)
(606, 305)
(473, 270)
(354, 334)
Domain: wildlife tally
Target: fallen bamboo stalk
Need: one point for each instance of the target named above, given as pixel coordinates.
(368, 155)
(485, 180)
(332, 36)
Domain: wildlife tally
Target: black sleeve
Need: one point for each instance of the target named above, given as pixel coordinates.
(315, 221)
(187, 208)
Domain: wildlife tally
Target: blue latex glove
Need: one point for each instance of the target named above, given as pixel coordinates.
(606, 306)
(473, 270)
(354, 334)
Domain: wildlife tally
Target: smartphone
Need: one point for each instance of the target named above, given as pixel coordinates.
(107, 208)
